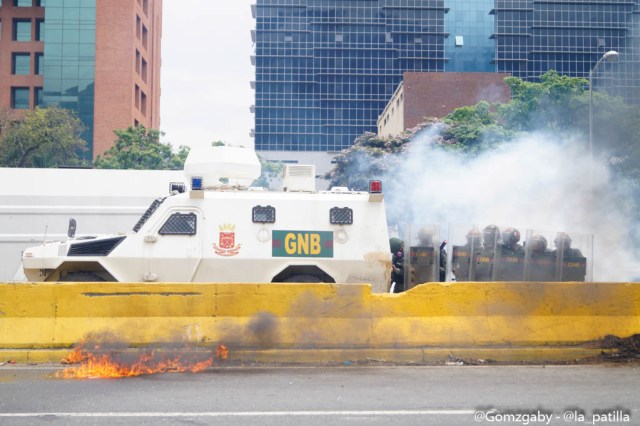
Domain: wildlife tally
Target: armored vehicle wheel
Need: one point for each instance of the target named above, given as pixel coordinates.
(303, 279)
(81, 277)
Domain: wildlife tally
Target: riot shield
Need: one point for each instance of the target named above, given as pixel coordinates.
(424, 262)
(570, 256)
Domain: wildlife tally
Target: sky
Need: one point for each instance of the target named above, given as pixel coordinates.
(206, 72)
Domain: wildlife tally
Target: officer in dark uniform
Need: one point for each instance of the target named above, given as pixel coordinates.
(397, 265)
(491, 248)
(510, 264)
(427, 265)
(463, 257)
(540, 262)
(571, 265)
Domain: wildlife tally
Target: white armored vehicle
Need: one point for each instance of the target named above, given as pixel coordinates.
(219, 229)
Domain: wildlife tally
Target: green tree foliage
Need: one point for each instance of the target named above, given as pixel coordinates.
(140, 148)
(556, 104)
(43, 137)
(367, 159)
(473, 129)
(269, 172)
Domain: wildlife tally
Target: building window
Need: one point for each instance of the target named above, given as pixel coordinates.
(138, 26)
(143, 103)
(39, 29)
(22, 3)
(145, 7)
(39, 64)
(144, 36)
(137, 61)
(339, 38)
(20, 97)
(137, 97)
(38, 97)
(21, 64)
(459, 41)
(21, 30)
(144, 70)
(41, 3)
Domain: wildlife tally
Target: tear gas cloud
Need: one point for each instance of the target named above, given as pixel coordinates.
(539, 181)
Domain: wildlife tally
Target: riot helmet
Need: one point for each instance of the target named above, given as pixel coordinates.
(474, 237)
(510, 237)
(425, 237)
(395, 245)
(491, 236)
(562, 241)
(538, 244)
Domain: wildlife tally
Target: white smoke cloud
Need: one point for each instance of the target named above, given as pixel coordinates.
(539, 181)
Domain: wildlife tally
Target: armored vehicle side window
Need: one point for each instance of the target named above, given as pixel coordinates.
(341, 216)
(262, 214)
(180, 224)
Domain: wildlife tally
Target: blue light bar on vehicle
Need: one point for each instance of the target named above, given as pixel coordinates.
(196, 183)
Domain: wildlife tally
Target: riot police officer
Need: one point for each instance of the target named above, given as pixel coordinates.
(571, 265)
(563, 246)
(397, 265)
(463, 257)
(509, 265)
(491, 248)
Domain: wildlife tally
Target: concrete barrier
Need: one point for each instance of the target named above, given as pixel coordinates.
(322, 322)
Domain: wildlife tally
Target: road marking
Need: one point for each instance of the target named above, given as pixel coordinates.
(252, 413)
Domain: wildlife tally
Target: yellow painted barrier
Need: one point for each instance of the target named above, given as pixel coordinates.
(319, 318)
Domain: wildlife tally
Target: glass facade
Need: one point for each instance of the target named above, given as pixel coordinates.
(325, 69)
(69, 59)
(533, 37)
(469, 47)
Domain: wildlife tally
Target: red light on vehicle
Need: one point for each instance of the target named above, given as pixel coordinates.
(375, 186)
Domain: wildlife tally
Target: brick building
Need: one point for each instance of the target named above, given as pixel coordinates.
(99, 58)
(421, 95)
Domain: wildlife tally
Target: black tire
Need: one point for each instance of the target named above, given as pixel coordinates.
(81, 277)
(301, 278)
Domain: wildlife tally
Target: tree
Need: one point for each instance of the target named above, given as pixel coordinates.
(556, 104)
(370, 156)
(269, 172)
(44, 137)
(473, 129)
(140, 148)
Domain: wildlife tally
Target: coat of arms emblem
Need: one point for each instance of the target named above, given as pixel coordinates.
(227, 241)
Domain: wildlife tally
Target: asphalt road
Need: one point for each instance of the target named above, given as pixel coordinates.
(338, 395)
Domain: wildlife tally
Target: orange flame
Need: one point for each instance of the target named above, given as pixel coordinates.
(118, 364)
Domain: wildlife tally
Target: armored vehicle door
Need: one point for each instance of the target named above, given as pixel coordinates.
(174, 248)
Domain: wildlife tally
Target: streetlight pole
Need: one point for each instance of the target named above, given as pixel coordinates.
(610, 56)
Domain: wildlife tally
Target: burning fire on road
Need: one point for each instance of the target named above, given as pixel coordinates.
(98, 363)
